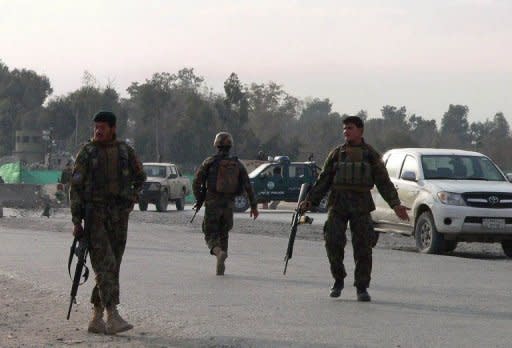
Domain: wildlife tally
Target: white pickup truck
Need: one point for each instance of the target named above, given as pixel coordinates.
(454, 196)
(165, 183)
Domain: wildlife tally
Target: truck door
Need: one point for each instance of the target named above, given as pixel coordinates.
(407, 186)
(298, 174)
(383, 213)
(173, 175)
(275, 182)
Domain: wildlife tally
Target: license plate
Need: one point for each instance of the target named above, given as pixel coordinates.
(494, 224)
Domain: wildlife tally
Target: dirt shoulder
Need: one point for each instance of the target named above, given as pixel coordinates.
(31, 317)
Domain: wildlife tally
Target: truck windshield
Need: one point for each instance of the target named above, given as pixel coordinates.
(158, 171)
(258, 170)
(460, 168)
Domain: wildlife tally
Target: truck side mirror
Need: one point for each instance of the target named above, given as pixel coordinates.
(408, 175)
(172, 176)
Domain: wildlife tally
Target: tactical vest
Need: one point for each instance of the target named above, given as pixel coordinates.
(224, 175)
(108, 180)
(353, 170)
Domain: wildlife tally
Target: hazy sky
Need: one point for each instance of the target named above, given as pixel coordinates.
(361, 54)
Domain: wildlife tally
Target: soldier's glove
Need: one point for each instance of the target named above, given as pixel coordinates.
(78, 231)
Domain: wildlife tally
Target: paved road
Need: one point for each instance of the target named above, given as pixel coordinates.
(283, 214)
(168, 281)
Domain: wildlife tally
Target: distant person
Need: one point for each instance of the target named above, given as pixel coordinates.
(262, 156)
(2, 180)
(311, 157)
(350, 172)
(217, 182)
(65, 179)
(105, 181)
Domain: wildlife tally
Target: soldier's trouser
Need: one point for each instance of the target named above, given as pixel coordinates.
(107, 243)
(335, 240)
(218, 221)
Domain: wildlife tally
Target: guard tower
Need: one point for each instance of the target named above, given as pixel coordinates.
(30, 146)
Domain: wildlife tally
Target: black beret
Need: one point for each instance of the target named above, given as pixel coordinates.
(105, 116)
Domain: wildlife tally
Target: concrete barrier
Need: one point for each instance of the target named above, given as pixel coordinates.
(25, 196)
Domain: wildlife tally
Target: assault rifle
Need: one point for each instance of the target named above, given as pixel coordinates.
(80, 248)
(297, 219)
(199, 203)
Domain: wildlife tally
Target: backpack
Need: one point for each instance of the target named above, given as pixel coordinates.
(224, 176)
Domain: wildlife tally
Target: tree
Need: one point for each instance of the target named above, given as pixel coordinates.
(150, 102)
(272, 114)
(319, 129)
(395, 117)
(424, 132)
(22, 94)
(455, 127)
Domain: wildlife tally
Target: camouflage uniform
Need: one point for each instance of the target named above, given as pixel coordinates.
(352, 204)
(218, 217)
(107, 176)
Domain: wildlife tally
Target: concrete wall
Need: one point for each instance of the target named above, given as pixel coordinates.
(21, 195)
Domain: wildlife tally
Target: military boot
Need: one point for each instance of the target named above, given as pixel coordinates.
(221, 257)
(363, 295)
(336, 288)
(115, 323)
(97, 324)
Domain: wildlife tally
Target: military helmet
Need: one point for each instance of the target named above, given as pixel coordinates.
(223, 139)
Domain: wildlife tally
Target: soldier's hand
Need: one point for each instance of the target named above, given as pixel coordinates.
(254, 213)
(78, 231)
(304, 206)
(401, 212)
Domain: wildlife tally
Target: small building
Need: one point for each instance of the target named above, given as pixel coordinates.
(30, 146)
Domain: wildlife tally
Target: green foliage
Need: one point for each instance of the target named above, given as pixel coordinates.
(22, 94)
(455, 127)
(174, 117)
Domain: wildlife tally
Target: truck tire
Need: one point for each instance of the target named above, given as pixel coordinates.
(428, 240)
(241, 204)
(143, 206)
(507, 247)
(163, 201)
(180, 203)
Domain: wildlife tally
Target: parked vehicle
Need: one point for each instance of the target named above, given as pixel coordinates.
(165, 183)
(454, 196)
(280, 180)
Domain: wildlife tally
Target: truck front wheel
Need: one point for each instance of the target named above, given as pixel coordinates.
(163, 201)
(241, 204)
(143, 206)
(180, 203)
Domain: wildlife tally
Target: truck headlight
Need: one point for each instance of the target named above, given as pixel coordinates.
(450, 198)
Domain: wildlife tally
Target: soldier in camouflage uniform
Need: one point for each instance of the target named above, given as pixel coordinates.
(217, 181)
(349, 172)
(106, 178)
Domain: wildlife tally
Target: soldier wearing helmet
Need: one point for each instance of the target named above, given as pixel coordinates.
(217, 182)
(223, 140)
